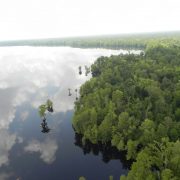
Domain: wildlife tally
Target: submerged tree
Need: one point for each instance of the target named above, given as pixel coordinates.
(69, 92)
(80, 70)
(76, 94)
(42, 113)
(87, 70)
(49, 105)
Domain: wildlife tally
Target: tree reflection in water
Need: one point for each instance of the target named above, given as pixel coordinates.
(108, 152)
(45, 128)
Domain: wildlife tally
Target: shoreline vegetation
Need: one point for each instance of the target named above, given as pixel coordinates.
(122, 41)
(133, 101)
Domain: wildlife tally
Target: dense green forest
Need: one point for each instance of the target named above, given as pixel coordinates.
(124, 41)
(133, 101)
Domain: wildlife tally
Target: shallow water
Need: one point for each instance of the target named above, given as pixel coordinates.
(28, 77)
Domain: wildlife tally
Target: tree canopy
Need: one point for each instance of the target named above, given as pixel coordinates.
(133, 101)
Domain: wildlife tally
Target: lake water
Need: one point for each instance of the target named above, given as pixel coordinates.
(28, 77)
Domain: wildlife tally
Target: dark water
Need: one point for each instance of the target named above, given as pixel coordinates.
(28, 76)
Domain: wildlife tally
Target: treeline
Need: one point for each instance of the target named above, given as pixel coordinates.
(133, 101)
(129, 41)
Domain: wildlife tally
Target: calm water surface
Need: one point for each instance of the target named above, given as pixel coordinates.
(28, 77)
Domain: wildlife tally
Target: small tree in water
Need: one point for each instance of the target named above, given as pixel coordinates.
(69, 92)
(87, 70)
(76, 94)
(49, 105)
(42, 111)
(80, 71)
(42, 108)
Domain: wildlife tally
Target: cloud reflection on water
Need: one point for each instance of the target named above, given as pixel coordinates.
(32, 70)
(7, 141)
(47, 149)
(33, 74)
(5, 176)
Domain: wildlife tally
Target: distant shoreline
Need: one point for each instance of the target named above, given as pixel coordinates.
(122, 41)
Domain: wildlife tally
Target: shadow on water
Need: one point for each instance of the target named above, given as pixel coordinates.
(108, 152)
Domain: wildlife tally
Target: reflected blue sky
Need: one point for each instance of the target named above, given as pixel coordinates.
(28, 76)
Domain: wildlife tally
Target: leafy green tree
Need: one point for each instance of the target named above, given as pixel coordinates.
(45, 107)
(131, 149)
(117, 99)
(166, 174)
(42, 110)
(142, 168)
(148, 131)
(177, 114)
